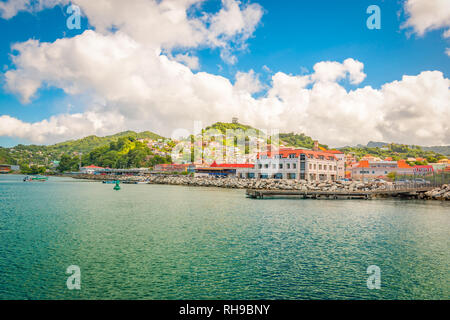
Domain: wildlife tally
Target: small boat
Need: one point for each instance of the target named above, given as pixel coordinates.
(35, 178)
(110, 182)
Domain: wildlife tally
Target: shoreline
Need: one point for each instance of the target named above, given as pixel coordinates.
(437, 193)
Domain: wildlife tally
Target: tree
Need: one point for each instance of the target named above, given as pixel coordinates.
(68, 163)
(392, 175)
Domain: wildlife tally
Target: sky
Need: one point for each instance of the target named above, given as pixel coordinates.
(310, 67)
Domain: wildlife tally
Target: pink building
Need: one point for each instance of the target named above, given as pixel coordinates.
(423, 169)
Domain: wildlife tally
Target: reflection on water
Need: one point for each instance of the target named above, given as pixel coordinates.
(169, 242)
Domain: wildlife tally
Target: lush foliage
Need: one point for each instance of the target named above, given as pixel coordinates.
(396, 152)
(223, 127)
(90, 143)
(5, 157)
(298, 140)
(33, 170)
(126, 152)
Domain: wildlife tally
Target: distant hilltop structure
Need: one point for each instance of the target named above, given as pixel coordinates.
(235, 120)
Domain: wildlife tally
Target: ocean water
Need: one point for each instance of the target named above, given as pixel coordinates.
(171, 242)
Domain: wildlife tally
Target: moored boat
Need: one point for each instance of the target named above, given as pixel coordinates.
(35, 178)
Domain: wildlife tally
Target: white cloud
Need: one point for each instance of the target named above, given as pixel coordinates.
(248, 82)
(61, 127)
(149, 91)
(428, 15)
(334, 71)
(164, 25)
(136, 86)
(191, 61)
(10, 8)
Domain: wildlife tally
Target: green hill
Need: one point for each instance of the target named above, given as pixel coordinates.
(5, 157)
(223, 127)
(395, 151)
(89, 143)
(298, 140)
(43, 155)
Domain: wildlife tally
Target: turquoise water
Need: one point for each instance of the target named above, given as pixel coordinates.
(170, 242)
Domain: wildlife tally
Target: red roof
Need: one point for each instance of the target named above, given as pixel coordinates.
(93, 167)
(402, 164)
(363, 164)
(286, 152)
(334, 151)
(423, 167)
(232, 165)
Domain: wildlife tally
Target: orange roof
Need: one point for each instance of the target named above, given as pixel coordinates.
(232, 165)
(388, 159)
(402, 164)
(334, 151)
(363, 164)
(93, 167)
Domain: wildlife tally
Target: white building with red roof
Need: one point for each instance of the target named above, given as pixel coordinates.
(300, 164)
(90, 169)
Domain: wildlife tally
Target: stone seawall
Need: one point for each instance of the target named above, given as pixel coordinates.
(442, 193)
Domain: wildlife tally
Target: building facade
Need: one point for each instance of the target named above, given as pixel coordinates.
(377, 169)
(178, 168)
(300, 164)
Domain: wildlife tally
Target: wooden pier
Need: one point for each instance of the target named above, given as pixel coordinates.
(404, 193)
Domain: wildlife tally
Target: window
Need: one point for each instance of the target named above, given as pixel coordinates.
(331, 168)
(334, 168)
(302, 157)
(260, 166)
(294, 165)
(266, 166)
(302, 166)
(310, 166)
(288, 166)
(292, 156)
(281, 166)
(274, 166)
(315, 166)
(320, 167)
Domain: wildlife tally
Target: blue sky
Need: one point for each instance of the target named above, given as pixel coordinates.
(291, 37)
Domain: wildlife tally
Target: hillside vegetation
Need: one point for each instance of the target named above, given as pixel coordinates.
(395, 151)
(124, 153)
(122, 150)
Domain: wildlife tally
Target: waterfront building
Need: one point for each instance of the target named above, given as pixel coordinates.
(123, 172)
(178, 168)
(238, 170)
(369, 157)
(90, 169)
(423, 169)
(7, 168)
(300, 164)
(376, 169)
